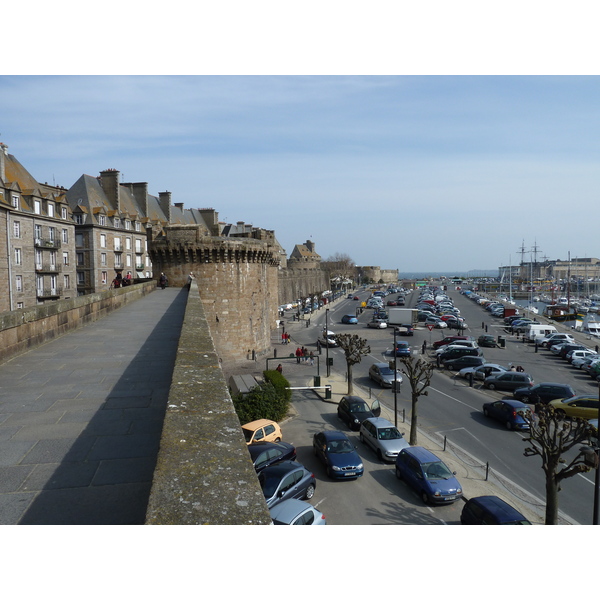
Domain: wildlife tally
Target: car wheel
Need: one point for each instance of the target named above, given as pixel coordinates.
(509, 425)
(398, 473)
(379, 455)
(310, 492)
(329, 473)
(361, 438)
(278, 439)
(425, 497)
(486, 412)
(491, 386)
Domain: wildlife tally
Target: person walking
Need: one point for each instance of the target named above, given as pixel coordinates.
(163, 281)
(298, 354)
(279, 368)
(312, 358)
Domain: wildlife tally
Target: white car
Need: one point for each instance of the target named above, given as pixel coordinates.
(483, 371)
(296, 512)
(377, 324)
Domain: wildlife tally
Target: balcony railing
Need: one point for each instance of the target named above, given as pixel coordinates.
(49, 292)
(47, 267)
(47, 243)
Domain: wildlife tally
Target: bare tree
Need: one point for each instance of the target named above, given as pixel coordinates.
(419, 372)
(354, 349)
(550, 436)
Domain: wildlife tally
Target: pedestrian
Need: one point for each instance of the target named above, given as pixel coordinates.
(303, 354)
(424, 347)
(520, 369)
(283, 337)
(312, 358)
(163, 281)
(513, 368)
(190, 279)
(319, 346)
(298, 354)
(279, 368)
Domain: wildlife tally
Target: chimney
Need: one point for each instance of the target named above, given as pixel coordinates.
(140, 193)
(164, 200)
(109, 180)
(310, 245)
(3, 154)
(179, 205)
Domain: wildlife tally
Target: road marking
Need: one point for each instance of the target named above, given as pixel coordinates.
(319, 502)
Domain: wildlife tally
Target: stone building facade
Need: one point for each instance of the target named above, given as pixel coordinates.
(37, 257)
(237, 278)
(377, 274)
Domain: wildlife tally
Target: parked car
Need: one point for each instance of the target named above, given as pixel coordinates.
(262, 430)
(487, 341)
(566, 348)
(338, 454)
(578, 354)
(383, 437)
(349, 320)
(296, 512)
(491, 510)
(287, 479)
(482, 371)
(584, 406)
(513, 413)
(382, 374)
(449, 339)
(456, 364)
(265, 454)
(427, 475)
(353, 411)
(457, 344)
(556, 338)
(509, 381)
(542, 393)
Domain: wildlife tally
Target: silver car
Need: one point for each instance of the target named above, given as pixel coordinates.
(383, 437)
(383, 375)
(296, 512)
(483, 371)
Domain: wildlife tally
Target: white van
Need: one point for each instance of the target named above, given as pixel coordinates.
(328, 339)
(537, 332)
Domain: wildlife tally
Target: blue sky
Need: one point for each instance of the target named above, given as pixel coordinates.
(418, 173)
(465, 149)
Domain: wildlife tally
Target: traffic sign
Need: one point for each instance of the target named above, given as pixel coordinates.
(430, 326)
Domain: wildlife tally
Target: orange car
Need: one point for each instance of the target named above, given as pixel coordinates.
(262, 430)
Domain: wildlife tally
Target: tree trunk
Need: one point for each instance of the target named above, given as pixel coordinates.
(350, 388)
(551, 498)
(413, 421)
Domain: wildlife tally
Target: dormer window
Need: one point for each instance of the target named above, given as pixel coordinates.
(117, 223)
(50, 209)
(102, 220)
(127, 224)
(63, 212)
(15, 201)
(37, 207)
(78, 219)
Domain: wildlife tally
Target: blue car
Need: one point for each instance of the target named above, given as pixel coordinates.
(402, 349)
(513, 413)
(428, 476)
(349, 320)
(338, 455)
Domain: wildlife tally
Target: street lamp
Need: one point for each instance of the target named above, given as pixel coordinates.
(327, 341)
(395, 380)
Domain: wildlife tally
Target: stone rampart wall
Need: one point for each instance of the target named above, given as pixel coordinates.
(25, 328)
(300, 283)
(203, 474)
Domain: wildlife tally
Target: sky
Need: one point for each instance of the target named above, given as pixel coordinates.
(416, 173)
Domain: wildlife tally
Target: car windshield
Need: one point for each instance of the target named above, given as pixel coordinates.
(358, 408)
(436, 470)
(386, 371)
(340, 447)
(268, 483)
(388, 433)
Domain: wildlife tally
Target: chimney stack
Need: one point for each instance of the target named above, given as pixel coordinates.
(164, 199)
(3, 154)
(109, 180)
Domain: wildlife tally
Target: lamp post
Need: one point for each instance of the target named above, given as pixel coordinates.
(327, 341)
(395, 381)
(597, 477)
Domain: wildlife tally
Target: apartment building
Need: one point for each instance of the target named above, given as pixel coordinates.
(37, 241)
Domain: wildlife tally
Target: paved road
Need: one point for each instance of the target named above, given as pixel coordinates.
(81, 417)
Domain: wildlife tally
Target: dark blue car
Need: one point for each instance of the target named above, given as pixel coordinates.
(513, 413)
(265, 454)
(402, 349)
(491, 510)
(338, 455)
(427, 475)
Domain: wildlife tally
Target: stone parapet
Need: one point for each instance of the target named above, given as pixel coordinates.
(204, 474)
(23, 329)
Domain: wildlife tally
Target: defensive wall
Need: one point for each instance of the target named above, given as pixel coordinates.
(297, 282)
(25, 328)
(203, 474)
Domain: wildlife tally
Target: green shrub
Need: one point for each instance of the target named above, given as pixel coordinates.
(280, 383)
(262, 402)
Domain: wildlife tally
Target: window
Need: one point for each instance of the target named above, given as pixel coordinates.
(53, 286)
(65, 236)
(37, 207)
(79, 240)
(102, 240)
(127, 243)
(78, 219)
(117, 244)
(127, 224)
(18, 257)
(118, 261)
(80, 258)
(104, 277)
(38, 259)
(80, 278)
(63, 212)
(40, 284)
(15, 201)
(52, 260)
(138, 246)
(17, 229)
(50, 209)
(101, 220)
(19, 283)
(66, 282)
(103, 259)
(19, 305)
(38, 232)
(128, 260)
(117, 223)
(52, 233)
(65, 258)
(137, 226)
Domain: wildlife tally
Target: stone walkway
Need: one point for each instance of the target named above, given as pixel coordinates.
(81, 417)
